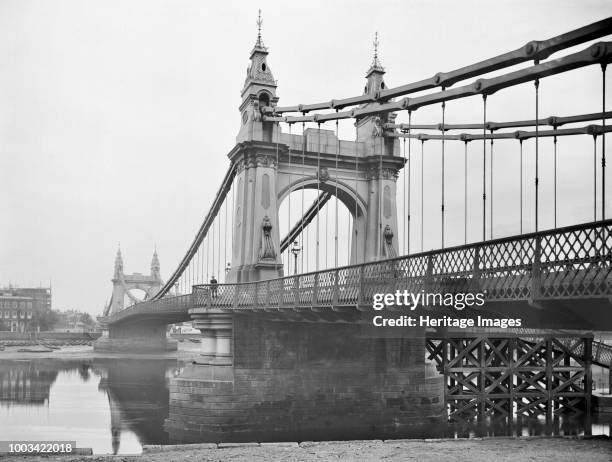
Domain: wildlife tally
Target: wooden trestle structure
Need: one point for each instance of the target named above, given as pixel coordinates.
(505, 376)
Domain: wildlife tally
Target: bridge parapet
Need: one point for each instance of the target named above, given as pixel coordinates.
(163, 307)
(574, 262)
(142, 327)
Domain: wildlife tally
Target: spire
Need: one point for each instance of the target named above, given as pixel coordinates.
(259, 70)
(118, 263)
(259, 76)
(375, 66)
(259, 91)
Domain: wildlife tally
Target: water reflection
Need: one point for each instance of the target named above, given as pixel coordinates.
(116, 406)
(112, 406)
(137, 394)
(560, 426)
(24, 383)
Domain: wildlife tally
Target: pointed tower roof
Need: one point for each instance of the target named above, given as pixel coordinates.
(118, 257)
(155, 261)
(258, 72)
(374, 76)
(118, 262)
(155, 266)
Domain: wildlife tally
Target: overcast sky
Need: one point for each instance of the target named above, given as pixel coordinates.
(116, 116)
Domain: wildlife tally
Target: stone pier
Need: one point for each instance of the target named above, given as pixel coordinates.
(140, 337)
(217, 328)
(297, 381)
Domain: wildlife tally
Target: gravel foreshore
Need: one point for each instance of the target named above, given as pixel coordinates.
(547, 449)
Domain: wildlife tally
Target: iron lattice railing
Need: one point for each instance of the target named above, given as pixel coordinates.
(166, 306)
(601, 352)
(567, 263)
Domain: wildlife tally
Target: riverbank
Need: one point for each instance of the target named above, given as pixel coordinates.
(559, 449)
(186, 352)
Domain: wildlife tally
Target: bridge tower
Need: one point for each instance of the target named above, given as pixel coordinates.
(123, 283)
(271, 165)
(256, 239)
(134, 335)
(379, 173)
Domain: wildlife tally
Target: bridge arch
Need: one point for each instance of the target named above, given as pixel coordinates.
(346, 194)
(342, 212)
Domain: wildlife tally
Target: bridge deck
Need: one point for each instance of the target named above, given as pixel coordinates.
(569, 263)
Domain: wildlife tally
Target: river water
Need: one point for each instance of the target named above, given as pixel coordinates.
(116, 406)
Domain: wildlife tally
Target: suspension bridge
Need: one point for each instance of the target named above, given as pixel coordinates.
(307, 227)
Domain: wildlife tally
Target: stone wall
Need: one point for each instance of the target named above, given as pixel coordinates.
(301, 381)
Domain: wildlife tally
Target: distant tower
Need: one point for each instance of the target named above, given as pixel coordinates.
(116, 302)
(155, 267)
(124, 283)
(118, 264)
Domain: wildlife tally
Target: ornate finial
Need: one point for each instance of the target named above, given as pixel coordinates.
(376, 66)
(259, 23)
(376, 43)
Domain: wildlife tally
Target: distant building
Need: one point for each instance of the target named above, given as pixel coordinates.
(16, 311)
(70, 321)
(40, 295)
(19, 307)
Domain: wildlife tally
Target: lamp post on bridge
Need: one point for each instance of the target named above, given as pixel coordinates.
(295, 250)
(228, 267)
